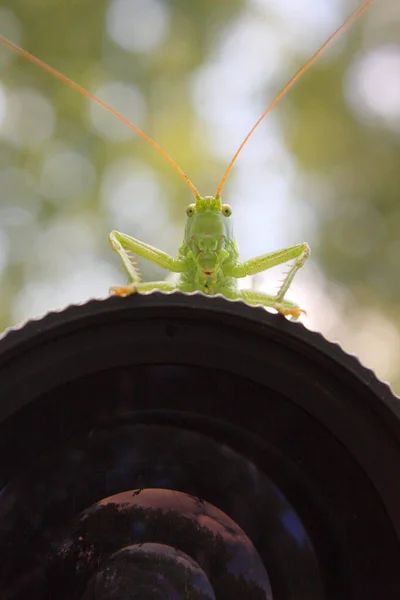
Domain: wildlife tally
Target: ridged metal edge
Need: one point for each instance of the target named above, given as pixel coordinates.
(298, 329)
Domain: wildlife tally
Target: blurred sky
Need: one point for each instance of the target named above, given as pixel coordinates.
(62, 192)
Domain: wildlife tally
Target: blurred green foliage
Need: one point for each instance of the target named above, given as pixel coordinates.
(72, 37)
(359, 227)
(349, 160)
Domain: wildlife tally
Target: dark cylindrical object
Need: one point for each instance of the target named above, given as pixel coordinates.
(179, 446)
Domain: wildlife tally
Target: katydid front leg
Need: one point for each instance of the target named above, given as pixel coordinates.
(300, 252)
(122, 244)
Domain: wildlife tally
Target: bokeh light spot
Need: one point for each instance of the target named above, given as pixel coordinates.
(90, 278)
(29, 119)
(138, 25)
(125, 98)
(373, 83)
(66, 174)
(134, 197)
(70, 238)
(306, 23)
(227, 101)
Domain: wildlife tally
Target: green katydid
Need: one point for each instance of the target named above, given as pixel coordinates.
(208, 258)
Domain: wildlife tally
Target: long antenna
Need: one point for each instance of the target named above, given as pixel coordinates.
(290, 83)
(84, 92)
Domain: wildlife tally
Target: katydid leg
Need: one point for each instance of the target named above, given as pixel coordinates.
(282, 306)
(122, 244)
(299, 252)
(127, 290)
(131, 271)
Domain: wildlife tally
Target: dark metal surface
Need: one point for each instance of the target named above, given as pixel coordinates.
(283, 432)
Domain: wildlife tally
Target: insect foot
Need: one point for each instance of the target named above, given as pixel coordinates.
(286, 311)
(123, 290)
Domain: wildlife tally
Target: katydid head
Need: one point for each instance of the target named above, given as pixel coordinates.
(208, 229)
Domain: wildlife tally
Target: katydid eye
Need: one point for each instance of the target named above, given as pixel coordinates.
(226, 210)
(191, 210)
